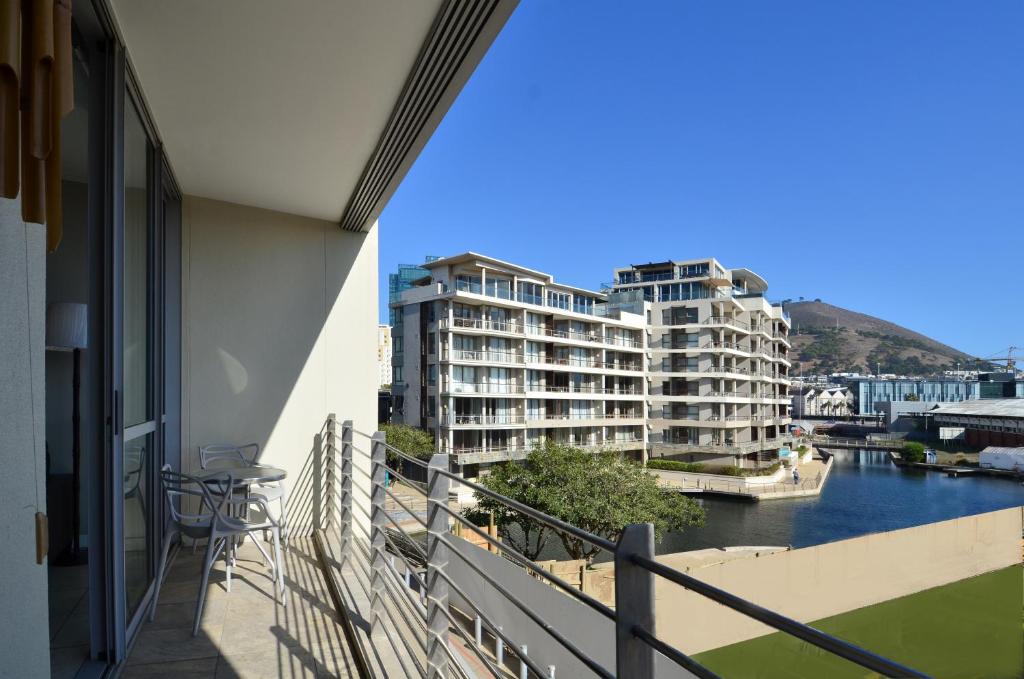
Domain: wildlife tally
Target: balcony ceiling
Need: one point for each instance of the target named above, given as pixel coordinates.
(281, 105)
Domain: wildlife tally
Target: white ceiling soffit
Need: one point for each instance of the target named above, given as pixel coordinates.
(315, 108)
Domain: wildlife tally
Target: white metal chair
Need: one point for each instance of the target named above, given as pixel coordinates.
(213, 523)
(248, 454)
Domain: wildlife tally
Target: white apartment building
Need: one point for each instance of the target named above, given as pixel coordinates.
(719, 369)
(494, 358)
(384, 350)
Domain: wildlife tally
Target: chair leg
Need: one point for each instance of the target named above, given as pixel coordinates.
(160, 572)
(208, 557)
(285, 533)
(229, 549)
(279, 569)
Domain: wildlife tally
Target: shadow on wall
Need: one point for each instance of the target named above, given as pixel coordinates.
(279, 328)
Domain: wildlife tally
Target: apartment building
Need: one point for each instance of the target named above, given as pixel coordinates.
(718, 362)
(494, 358)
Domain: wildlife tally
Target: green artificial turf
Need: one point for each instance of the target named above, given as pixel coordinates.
(969, 628)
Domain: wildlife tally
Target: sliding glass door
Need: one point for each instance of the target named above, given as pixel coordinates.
(140, 455)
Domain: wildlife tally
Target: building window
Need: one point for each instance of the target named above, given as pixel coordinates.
(467, 283)
(558, 300)
(583, 305)
(396, 375)
(531, 293)
(498, 287)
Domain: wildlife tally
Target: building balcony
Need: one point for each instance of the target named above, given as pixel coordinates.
(573, 391)
(494, 421)
(482, 389)
(590, 366)
(481, 325)
(487, 357)
(575, 337)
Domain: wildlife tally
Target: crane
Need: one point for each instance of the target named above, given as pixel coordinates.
(1009, 359)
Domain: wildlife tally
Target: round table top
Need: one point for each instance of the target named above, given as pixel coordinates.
(257, 473)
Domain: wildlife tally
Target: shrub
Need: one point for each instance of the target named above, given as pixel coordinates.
(675, 465)
(409, 440)
(802, 449)
(913, 452)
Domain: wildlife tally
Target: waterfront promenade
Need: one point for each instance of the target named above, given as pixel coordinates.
(780, 485)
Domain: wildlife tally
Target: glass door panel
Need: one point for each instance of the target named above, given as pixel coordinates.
(138, 453)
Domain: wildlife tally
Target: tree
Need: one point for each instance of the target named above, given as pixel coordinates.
(409, 440)
(601, 493)
(913, 452)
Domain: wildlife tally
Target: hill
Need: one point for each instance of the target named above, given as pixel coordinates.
(828, 339)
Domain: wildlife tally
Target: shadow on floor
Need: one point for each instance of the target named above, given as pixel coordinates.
(244, 632)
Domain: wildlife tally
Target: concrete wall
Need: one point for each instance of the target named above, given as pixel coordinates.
(24, 619)
(587, 629)
(816, 582)
(279, 328)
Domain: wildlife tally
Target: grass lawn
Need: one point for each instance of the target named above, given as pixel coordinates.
(969, 628)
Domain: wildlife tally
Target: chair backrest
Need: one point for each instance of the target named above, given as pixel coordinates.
(179, 486)
(246, 454)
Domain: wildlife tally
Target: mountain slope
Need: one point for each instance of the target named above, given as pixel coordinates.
(828, 338)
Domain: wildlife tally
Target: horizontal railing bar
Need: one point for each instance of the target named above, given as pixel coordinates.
(494, 628)
(674, 654)
(472, 644)
(536, 568)
(554, 633)
(407, 510)
(833, 645)
(412, 571)
(400, 593)
(551, 521)
(396, 451)
(413, 484)
(415, 546)
(422, 642)
(413, 656)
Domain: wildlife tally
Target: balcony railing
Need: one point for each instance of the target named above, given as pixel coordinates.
(482, 388)
(416, 585)
(482, 324)
(456, 420)
(482, 356)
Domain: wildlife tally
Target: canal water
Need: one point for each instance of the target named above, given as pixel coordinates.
(865, 493)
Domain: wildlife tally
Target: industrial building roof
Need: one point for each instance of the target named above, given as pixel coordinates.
(996, 407)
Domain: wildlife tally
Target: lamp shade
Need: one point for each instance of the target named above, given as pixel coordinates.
(67, 325)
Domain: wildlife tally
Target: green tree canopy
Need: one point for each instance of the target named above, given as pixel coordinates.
(409, 440)
(913, 452)
(600, 493)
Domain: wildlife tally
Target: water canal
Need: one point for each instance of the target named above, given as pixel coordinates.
(865, 493)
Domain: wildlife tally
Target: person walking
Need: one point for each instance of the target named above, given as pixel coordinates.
(796, 475)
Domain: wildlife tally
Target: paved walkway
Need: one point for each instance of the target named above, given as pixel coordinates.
(244, 632)
(812, 474)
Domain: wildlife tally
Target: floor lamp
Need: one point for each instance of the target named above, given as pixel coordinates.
(67, 330)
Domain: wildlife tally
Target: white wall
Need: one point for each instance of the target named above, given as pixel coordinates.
(24, 617)
(279, 328)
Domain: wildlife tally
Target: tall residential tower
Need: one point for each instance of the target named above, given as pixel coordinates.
(719, 368)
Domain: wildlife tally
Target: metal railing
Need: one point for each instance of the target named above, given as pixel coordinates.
(482, 356)
(416, 583)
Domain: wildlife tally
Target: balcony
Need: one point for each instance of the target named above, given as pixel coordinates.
(497, 421)
(440, 596)
(489, 357)
(481, 388)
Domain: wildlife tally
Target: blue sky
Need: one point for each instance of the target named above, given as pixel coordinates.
(867, 153)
